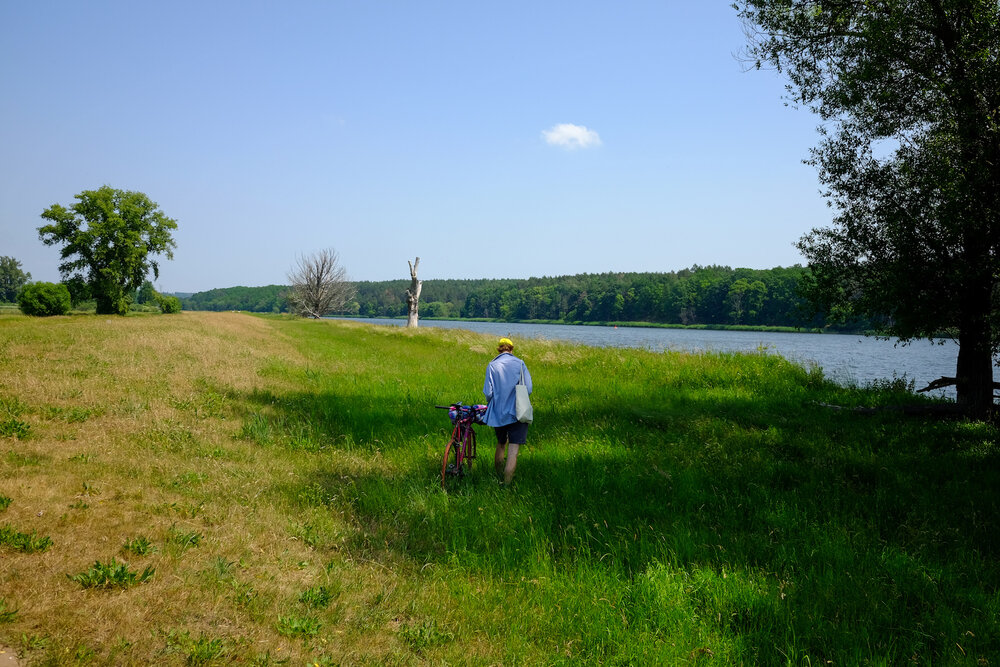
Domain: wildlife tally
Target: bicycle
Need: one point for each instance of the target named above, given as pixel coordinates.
(460, 451)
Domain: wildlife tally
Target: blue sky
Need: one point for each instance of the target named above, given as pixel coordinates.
(492, 140)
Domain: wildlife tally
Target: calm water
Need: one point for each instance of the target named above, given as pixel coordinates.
(846, 359)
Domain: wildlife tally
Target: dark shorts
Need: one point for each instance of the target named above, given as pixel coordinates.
(516, 434)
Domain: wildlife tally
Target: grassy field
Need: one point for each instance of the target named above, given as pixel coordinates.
(220, 488)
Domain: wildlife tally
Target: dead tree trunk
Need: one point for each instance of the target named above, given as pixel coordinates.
(413, 294)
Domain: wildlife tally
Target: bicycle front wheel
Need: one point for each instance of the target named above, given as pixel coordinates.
(450, 464)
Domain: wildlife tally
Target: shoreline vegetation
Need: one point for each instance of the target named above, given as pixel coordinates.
(224, 488)
(709, 296)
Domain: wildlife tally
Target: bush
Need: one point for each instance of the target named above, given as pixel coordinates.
(44, 299)
(168, 304)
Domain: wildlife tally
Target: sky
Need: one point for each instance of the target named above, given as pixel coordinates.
(492, 140)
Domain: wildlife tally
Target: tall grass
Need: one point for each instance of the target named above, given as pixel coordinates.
(280, 477)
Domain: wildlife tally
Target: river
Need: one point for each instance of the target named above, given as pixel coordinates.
(845, 358)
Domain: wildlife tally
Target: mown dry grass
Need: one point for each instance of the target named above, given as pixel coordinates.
(133, 434)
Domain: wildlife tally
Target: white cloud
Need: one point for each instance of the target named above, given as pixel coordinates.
(570, 137)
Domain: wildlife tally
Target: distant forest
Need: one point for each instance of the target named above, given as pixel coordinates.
(701, 295)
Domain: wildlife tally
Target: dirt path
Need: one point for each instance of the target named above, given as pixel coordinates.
(8, 657)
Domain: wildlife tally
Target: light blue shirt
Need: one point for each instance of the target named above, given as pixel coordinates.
(502, 375)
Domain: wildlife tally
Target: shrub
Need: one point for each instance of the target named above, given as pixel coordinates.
(168, 304)
(43, 299)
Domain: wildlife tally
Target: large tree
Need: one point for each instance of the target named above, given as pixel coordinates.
(12, 278)
(909, 94)
(319, 284)
(110, 239)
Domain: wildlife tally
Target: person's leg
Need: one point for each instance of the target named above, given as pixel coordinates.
(498, 458)
(517, 435)
(508, 471)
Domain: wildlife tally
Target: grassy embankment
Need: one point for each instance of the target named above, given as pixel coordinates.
(220, 488)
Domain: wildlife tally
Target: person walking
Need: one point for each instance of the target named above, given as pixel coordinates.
(502, 375)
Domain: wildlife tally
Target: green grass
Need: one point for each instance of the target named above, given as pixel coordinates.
(668, 509)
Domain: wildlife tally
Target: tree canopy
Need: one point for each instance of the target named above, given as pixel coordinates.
(909, 93)
(109, 240)
(12, 278)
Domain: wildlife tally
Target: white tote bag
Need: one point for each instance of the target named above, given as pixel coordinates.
(522, 404)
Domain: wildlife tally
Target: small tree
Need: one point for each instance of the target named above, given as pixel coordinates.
(319, 284)
(146, 294)
(413, 295)
(109, 238)
(12, 278)
(44, 299)
(167, 303)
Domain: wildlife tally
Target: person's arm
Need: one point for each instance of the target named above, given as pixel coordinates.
(488, 384)
(527, 376)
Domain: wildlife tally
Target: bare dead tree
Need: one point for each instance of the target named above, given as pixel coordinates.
(319, 284)
(413, 294)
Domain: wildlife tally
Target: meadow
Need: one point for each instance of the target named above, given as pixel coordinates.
(222, 488)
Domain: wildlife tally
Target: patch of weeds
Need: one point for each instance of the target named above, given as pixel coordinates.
(323, 661)
(314, 495)
(266, 660)
(180, 541)
(200, 650)
(204, 405)
(221, 568)
(81, 458)
(5, 502)
(75, 415)
(140, 546)
(79, 505)
(65, 656)
(23, 542)
(186, 511)
(214, 453)
(113, 574)
(317, 597)
(309, 534)
(14, 428)
(190, 479)
(33, 642)
(19, 459)
(6, 615)
(244, 595)
(131, 408)
(89, 490)
(425, 635)
(257, 429)
(169, 436)
(12, 407)
(298, 626)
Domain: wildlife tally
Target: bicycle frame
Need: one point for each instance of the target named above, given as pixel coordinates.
(460, 451)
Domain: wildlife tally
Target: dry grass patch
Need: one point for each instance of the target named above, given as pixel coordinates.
(131, 438)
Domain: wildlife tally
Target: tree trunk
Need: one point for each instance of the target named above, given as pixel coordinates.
(974, 372)
(413, 295)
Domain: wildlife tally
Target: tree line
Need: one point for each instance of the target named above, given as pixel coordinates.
(700, 295)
